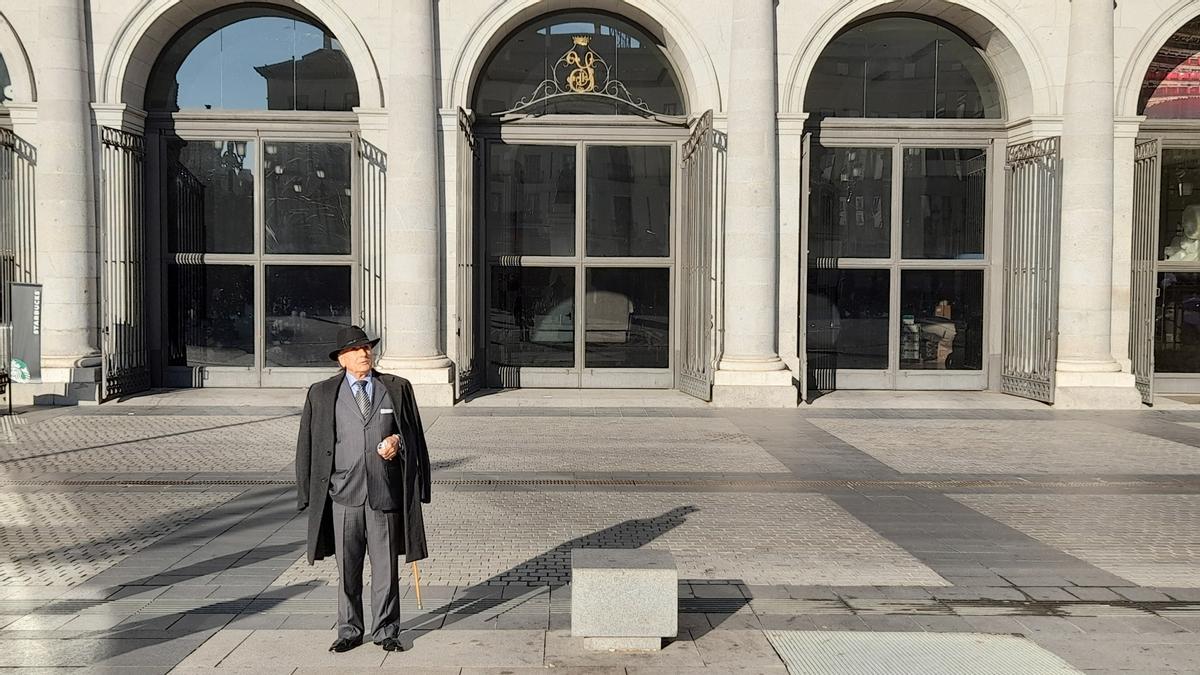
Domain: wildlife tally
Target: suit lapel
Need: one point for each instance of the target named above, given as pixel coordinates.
(378, 395)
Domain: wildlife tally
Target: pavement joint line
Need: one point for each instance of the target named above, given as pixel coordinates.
(928, 484)
(539, 606)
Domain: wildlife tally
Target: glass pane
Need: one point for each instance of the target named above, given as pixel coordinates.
(850, 203)
(307, 197)
(531, 317)
(211, 197)
(530, 200)
(253, 58)
(941, 320)
(306, 304)
(1177, 323)
(627, 318)
(847, 320)
(629, 201)
(535, 54)
(902, 67)
(211, 315)
(6, 89)
(1171, 89)
(1179, 222)
(944, 203)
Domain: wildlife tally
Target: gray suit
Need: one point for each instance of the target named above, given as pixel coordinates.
(366, 519)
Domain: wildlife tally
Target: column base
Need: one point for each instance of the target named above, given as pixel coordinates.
(60, 386)
(432, 378)
(754, 389)
(1096, 391)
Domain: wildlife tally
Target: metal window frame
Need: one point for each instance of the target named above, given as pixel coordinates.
(568, 131)
(899, 135)
(258, 128)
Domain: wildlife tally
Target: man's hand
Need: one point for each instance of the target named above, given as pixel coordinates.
(389, 447)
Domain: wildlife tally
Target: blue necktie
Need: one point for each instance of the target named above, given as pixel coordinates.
(360, 397)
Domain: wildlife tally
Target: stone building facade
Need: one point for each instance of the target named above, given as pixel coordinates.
(755, 202)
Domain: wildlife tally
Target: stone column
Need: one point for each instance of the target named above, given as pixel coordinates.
(66, 202)
(1088, 375)
(413, 261)
(750, 371)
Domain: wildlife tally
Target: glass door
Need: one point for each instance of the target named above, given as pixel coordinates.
(578, 246)
(260, 248)
(898, 264)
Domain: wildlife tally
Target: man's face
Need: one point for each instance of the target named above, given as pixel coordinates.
(357, 360)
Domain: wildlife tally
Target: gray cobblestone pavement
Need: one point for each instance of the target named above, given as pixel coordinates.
(1151, 540)
(63, 538)
(480, 537)
(133, 443)
(165, 538)
(1028, 447)
(597, 444)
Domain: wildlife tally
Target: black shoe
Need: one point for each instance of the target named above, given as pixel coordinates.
(392, 644)
(344, 644)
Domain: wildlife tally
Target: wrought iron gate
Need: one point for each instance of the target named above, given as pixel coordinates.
(470, 375)
(372, 206)
(1033, 209)
(125, 362)
(1143, 286)
(18, 255)
(699, 234)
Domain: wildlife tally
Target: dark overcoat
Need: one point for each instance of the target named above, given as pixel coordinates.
(406, 477)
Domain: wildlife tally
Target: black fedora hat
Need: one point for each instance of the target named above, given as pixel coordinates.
(349, 337)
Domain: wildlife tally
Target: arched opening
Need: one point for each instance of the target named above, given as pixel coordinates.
(1165, 291)
(579, 62)
(905, 115)
(251, 154)
(578, 125)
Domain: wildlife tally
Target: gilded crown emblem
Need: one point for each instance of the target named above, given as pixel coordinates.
(582, 40)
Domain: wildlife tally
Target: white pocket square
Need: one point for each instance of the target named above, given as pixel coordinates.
(385, 411)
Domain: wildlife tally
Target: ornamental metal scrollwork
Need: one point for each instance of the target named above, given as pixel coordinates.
(580, 72)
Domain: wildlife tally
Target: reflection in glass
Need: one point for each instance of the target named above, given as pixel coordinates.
(306, 304)
(944, 203)
(848, 318)
(307, 197)
(210, 197)
(902, 67)
(1177, 323)
(627, 315)
(253, 58)
(629, 201)
(1171, 88)
(851, 202)
(531, 317)
(527, 57)
(1179, 218)
(941, 320)
(211, 321)
(6, 90)
(530, 200)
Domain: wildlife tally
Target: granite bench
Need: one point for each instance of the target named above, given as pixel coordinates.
(624, 599)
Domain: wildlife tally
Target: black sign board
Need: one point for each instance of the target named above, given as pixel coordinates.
(26, 359)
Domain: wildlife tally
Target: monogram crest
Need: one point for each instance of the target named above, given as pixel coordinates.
(580, 71)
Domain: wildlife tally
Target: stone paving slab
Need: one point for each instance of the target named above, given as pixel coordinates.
(939, 446)
(582, 444)
(1152, 540)
(527, 537)
(63, 538)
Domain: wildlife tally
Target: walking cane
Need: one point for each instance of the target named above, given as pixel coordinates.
(417, 583)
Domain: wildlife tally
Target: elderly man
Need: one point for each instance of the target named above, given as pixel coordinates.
(363, 467)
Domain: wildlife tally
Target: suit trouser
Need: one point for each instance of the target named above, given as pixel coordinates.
(359, 531)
